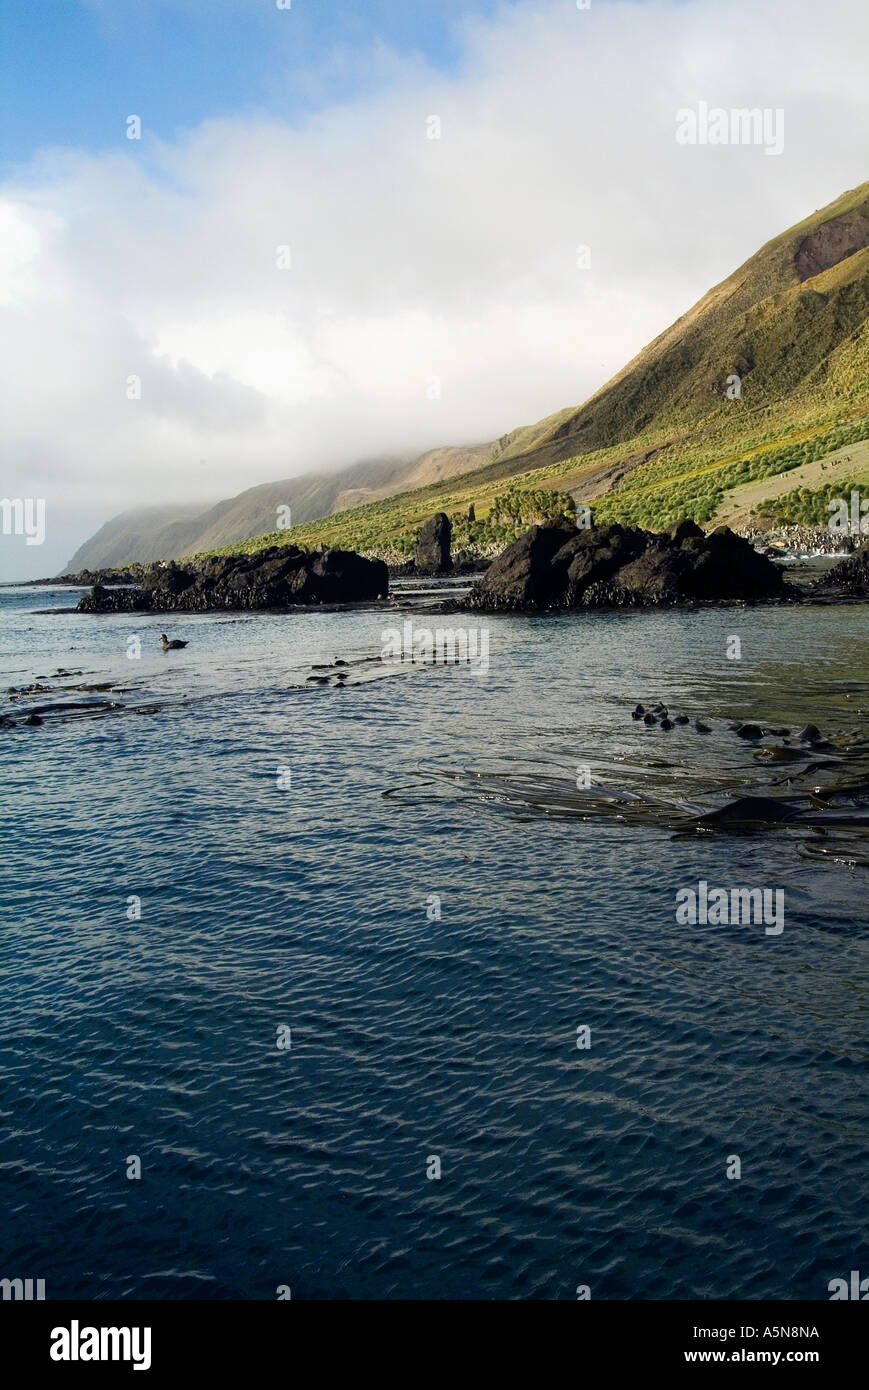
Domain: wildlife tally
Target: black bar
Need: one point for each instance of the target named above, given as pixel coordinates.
(232, 1339)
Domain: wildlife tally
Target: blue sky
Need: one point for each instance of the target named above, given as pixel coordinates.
(72, 70)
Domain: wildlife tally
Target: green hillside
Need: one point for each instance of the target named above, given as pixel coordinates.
(674, 431)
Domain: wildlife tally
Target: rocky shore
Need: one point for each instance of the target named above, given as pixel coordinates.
(279, 577)
(548, 567)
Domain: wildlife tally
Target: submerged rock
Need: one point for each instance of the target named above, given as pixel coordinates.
(750, 810)
(623, 567)
(278, 577)
(810, 734)
(777, 753)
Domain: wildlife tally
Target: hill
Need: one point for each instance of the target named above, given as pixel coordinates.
(768, 372)
(162, 533)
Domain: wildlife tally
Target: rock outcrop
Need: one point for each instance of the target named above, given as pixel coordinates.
(522, 576)
(432, 554)
(87, 578)
(619, 567)
(848, 579)
(279, 577)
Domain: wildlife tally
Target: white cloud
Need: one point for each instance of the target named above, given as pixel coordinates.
(410, 257)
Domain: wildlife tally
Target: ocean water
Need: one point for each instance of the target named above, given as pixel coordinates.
(406, 875)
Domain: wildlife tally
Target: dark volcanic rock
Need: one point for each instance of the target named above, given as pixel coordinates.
(275, 578)
(432, 554)
(747, 810)
(617, 566)
(726, 566)
(87, 578)
(810, 734)
(592, 557)
(523, 575)
(341, 575)
(850, 578)
(655, 577)
(686, 530)
(103, 600)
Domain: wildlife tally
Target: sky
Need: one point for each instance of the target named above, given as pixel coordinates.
(353, 230)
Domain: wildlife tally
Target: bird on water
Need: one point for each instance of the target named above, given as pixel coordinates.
(170, 646)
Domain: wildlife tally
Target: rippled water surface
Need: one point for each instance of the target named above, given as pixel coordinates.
(314, 905)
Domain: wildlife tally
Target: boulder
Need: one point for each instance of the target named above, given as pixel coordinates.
(618, 566)
(432, 554)
(337, 574)
(523, 575)
(726, 566)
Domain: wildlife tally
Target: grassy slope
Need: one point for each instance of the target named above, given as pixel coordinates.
(661, 440)
(801, 494)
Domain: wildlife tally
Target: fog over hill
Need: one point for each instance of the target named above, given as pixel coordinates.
(159, 533)
(780, 346)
